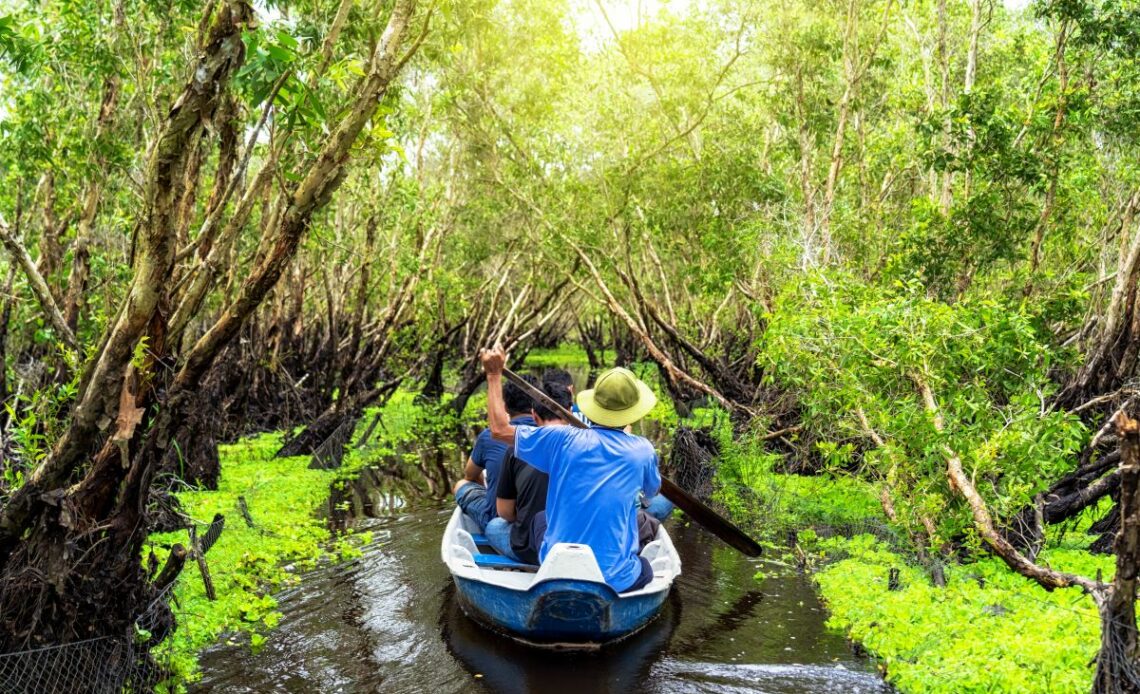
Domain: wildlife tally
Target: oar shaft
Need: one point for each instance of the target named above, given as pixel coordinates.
(545, 399)
(709, 519)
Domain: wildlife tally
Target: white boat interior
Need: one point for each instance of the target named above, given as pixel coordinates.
(464, 558)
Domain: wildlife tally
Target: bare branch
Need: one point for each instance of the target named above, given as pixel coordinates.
(983, 521)
(39, 286)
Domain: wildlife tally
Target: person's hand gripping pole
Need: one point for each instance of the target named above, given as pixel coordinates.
(494, 361)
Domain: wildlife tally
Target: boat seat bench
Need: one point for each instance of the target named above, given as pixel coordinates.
(496, 561)
(480, 539)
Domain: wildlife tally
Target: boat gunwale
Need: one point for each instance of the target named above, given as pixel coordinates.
(469, 570)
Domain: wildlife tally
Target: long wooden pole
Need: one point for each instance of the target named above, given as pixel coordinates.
(704, 516)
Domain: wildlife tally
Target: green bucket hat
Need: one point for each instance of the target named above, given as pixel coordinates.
(617, 398)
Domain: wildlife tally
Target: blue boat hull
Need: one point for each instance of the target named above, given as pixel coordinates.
(565, 612)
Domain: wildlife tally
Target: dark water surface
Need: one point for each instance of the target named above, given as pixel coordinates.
(388, 623)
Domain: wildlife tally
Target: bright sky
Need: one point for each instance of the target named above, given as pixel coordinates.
(624, 14)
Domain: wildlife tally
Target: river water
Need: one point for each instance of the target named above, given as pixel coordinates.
(387, 622)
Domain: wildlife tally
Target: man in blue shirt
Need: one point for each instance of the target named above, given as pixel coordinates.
(595, 473)
(658, 506)
(482, 470)
(520, 495)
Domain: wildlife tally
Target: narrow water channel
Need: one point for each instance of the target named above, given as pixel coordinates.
(388, 622)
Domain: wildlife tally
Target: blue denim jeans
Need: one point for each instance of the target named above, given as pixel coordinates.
(472, 498)
(498, 533)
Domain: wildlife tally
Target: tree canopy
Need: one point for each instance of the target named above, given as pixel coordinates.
(900, 229)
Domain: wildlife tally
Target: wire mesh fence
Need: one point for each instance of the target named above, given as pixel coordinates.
(126, 663)
(104, 664)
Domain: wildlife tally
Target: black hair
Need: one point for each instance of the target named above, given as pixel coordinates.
(559, 377)
(559, 394)
(516, 399)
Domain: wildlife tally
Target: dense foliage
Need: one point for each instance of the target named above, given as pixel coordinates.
(856, 357)
(896, 244)
(986, 631)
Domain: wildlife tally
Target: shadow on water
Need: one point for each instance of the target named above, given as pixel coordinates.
(387, 622)
(503, 665)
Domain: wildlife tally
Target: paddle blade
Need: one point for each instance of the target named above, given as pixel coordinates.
(709, 519)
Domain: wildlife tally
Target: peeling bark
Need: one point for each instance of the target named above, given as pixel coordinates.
(1116, 663)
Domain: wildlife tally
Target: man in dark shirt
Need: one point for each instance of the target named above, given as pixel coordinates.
(562, 377)
(521, 490)
(471, 492)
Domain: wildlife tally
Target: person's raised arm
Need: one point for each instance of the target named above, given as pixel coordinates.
(498, 421)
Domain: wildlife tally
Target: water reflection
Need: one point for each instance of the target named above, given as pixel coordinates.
(369, 495)
(674, 677)
(503, 665)
(386, 623)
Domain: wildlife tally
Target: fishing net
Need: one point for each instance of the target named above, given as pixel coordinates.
(105, 664)
(331, 451)
(691, 464)
(364, 438)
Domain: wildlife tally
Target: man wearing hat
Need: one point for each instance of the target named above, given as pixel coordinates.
(595, 473)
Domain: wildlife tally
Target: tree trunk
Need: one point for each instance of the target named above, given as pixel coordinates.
(5, 320)
(433, 385)
(1116, 664)
(70, 552)
(1110, 359)
(71, 536)
(1053, 159)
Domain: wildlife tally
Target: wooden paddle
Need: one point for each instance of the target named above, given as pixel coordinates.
(704, 516)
